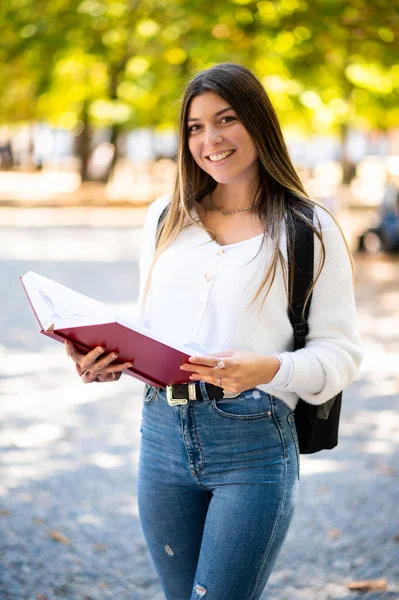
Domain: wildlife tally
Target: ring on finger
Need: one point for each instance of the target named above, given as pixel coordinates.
(221, 364)
(219, 382)
(98, 366)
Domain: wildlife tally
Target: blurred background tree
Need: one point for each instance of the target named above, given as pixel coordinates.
(122, 64)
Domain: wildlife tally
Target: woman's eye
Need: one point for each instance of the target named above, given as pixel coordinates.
(192, 129)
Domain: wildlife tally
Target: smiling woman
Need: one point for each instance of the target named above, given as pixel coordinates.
(222, 147)
(222, 450)
(219, 462)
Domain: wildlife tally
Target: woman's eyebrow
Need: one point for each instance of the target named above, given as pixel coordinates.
(215, 115)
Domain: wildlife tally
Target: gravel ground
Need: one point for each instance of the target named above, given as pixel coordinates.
(68, 508)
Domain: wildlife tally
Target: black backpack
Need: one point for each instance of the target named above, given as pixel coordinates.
(317, 426)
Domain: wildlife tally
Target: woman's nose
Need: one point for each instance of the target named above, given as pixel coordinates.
(212, 136)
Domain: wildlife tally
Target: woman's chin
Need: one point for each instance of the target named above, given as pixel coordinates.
(221, 177)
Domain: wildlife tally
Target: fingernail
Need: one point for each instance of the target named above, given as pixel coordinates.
(113, 355)
(100, 350)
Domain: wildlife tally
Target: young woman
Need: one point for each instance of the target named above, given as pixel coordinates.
(219, 460)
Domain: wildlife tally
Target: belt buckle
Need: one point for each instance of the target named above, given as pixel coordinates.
(174, 401)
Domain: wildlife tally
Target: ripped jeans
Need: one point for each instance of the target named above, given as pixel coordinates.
(217, 484)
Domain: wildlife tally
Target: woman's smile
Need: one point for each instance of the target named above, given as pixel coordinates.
(220, 158)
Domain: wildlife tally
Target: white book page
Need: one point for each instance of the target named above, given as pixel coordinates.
(198, 349)
(131, 323)
(58, 306)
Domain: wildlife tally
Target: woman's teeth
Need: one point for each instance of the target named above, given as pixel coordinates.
(218, 157)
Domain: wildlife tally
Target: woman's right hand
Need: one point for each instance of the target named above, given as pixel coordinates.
(95, 365)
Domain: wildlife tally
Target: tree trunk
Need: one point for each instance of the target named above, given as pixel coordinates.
(348, 167)
(115, 131)
(83, 145)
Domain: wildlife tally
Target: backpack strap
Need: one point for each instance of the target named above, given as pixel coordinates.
(303, 278)
(161, 219)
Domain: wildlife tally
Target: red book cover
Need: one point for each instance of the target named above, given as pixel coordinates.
(154, 362)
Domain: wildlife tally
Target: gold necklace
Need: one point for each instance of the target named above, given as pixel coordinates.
(229, 212)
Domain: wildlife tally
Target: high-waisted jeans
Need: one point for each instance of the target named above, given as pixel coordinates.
(217, 484)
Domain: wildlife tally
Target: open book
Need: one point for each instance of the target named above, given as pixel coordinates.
(64, 314)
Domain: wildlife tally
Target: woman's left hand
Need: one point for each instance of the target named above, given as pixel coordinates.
(242, 370)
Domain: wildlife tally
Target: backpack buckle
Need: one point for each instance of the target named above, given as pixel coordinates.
(301, 329)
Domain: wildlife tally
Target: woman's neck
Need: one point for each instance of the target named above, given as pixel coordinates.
(232, 196)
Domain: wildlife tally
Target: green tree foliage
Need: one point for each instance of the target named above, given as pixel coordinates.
(327, 64)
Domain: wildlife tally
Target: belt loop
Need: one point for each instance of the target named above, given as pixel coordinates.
(192, 393)
(203, 391)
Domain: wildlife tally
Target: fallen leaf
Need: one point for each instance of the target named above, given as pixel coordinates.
(103, 585)
(333, 534)
(4, 512)
(58, 537)
(396, 538)
(42, 597)
(370, 584)
(61, 590)
(384, 469)
(100, 547)
(39, 521)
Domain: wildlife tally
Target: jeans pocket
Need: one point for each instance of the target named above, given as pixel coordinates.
(291, 423)
(149, 394)
(250, 405)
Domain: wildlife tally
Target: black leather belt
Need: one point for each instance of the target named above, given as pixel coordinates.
(183, 392)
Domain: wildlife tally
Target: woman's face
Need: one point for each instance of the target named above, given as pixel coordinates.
(218, 141)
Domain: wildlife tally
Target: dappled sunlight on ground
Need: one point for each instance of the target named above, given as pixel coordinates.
(380, 427)
(56, 245)
(313, 466)
(55, 382)
(43, 185)
(132, 183)
(88, 216)
(40, 398)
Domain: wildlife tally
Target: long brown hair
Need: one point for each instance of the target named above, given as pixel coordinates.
(280, 192)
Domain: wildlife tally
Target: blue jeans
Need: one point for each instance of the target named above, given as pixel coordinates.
(217, 484)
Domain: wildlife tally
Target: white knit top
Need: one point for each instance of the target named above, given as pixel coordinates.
(200, 291)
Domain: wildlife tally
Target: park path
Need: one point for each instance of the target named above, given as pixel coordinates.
(68, 511)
